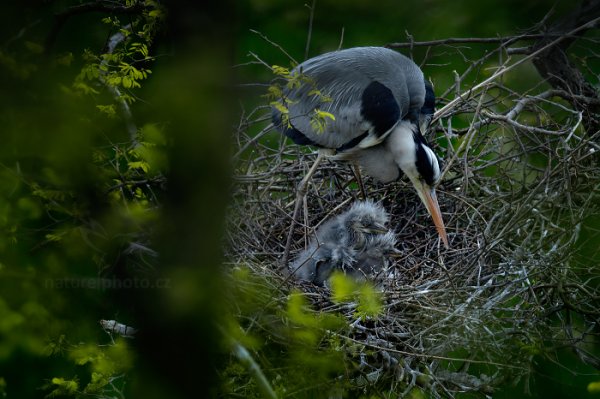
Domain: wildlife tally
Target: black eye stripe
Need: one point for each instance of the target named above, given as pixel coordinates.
(425, 165)
(318, 264)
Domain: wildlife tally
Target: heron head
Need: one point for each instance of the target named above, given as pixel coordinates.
(416, 159)
(424, 176)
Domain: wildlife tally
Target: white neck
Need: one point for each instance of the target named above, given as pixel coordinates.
(402, 145)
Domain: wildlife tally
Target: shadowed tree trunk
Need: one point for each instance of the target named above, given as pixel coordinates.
(555, 66)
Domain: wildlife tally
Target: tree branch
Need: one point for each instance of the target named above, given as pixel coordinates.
(442, 112)
(460, 40)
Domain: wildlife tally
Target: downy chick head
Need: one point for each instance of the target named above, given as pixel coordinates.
(353, 228)
(373, 260)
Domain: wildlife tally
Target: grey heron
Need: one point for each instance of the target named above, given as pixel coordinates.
(380, 106)
(355, 242)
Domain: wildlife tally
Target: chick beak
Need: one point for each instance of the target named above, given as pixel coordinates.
(375, 228)
(429, 198)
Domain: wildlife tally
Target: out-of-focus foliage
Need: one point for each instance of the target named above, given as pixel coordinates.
(90, 133)
(78, 193)
(304, 344)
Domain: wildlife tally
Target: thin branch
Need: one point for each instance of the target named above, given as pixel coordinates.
(265, 38)
(310, 28)
(441, 112)
(253, 140)
(301, 192)
(341, 39)
(254, 369)
(458, 40)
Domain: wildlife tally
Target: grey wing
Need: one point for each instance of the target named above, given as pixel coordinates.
(367, 90)
(304, 266)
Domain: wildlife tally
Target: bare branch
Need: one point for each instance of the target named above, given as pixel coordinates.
(440, 113)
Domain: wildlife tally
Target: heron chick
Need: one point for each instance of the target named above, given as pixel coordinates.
(370, 105)
(355, 242)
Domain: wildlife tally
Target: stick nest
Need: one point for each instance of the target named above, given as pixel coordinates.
(521, 176)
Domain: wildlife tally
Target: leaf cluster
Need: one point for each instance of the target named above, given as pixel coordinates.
(298, 81)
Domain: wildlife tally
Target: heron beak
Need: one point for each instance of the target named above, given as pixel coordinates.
(429, 198)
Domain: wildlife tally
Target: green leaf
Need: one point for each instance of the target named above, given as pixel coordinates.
(314, 92)
(64, 387)
(84, 88)
(114, 80)
(280, 107)
(83, 354)
(369, 301)
(274, 92)
(343, 288)
(55, 237)
(281, 71)
(109, 110)
(294, 82)
(324, 115)
(594, 387)
(346, 289)
(97, 382)
(155, 14)
(296, 310)
(127, 83)
(139, 165)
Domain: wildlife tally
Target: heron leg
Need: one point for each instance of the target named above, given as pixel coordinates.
(357, 175)
(300, 194)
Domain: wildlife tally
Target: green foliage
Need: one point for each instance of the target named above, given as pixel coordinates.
(105, 365)
(108, 360)
(298, 81)
(123, 67)
(594, 387)
(345, 289)
(76, 190)
(63, 387)
(319, 120)
(109, 110)
(308, 326)
(288, 334)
